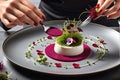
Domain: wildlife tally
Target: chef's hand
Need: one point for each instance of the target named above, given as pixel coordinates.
(19, 12)
(112, 12)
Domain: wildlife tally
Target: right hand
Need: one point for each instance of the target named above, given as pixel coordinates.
(19, 12)
(111, 13)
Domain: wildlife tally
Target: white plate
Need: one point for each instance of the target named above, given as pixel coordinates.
(15, 46)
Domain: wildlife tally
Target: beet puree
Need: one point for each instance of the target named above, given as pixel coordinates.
(49, 50)
(54, 31)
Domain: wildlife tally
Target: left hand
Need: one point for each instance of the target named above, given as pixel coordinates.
(112, 12)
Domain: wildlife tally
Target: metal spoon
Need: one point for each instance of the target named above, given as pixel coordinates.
(52, 31)
(86, 21)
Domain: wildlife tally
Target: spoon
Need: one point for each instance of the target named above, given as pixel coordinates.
(86, 21)
(52, 31)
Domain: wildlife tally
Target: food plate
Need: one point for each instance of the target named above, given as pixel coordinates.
(16, 44)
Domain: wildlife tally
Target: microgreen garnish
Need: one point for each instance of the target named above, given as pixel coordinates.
(42, 59)
(89, 63)
(28, 54)
(3, 76)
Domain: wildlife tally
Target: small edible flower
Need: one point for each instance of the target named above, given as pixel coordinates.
(34, 43)
(1, 66)
(75, 65)
(94, 11)
(69, 41)
(102, 41)
(79, 29)
(39, 52)
(70, 28)
(94, 45)
(49, 37)
(58, 64)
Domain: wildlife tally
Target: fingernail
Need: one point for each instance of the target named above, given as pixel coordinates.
(100, 12)
(108, 17)
(43, 17)
(97, 5)
(35, 24)
(41, 23)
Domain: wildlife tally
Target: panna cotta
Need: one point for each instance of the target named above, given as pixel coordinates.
(70, 43)
(68, 51)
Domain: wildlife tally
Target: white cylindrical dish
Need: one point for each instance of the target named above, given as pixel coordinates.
(68, 51)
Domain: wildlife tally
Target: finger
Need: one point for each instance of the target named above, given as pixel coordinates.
(21, 23)
(10, 17)
(104, 6)
(113, 9)
(100, 2)
(29, 13)
(40, 14)
(22, 17)
(7, 23)
(114, 15)
(13, 19)
(34, 8)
